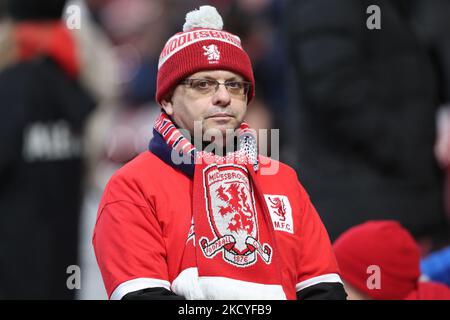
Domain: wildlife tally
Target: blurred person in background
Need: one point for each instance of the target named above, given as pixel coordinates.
(136, 29)
(367, 107)
(100, 76)
(381, 260)
(431, 23)
(43, 113)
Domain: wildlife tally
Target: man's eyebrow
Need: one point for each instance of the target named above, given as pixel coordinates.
(232, 78)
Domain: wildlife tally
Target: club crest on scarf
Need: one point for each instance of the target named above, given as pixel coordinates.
(232, 216)
(280, 212)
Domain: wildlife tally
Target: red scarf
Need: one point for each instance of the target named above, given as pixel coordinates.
(52, 39)
(230, 251)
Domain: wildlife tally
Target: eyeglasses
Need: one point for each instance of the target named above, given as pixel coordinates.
(210, 86)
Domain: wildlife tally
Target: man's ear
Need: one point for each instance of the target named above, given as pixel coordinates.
(167, 105)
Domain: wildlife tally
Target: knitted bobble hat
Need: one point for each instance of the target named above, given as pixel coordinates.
(202, 46)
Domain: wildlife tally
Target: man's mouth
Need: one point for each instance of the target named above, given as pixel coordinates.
(219, 116)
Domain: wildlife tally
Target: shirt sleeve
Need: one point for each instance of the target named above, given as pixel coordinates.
(317, 261)
(129, 248)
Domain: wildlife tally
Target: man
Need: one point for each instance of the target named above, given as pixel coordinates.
(179, 222)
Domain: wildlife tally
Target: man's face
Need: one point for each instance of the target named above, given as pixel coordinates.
(222, 109)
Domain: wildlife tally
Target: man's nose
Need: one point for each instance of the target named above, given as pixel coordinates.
(221, 97)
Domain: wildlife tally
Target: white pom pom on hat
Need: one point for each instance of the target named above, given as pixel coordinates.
(204, 17)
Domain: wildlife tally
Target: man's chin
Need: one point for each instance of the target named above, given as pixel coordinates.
(222, 128)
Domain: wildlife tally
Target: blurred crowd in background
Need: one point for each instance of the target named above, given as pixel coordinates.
(363, 116)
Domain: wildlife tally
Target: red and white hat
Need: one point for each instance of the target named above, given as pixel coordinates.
(202, 45)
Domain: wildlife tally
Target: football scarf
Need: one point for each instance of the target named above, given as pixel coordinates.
(230, 249)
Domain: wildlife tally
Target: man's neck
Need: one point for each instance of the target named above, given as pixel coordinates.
(220, 149)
